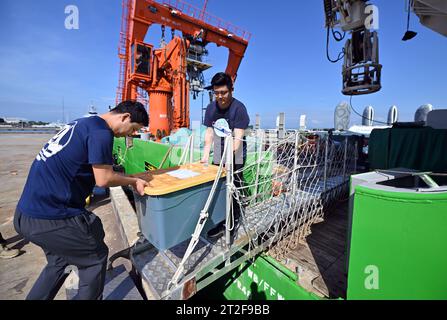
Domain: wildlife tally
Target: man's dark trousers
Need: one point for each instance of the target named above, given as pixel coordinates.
(238, 180)
(77, 241)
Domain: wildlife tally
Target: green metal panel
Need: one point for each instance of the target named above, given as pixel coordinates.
(398, 245)
(135, 158)
(264, 185)
(262, 279)
(143, 155)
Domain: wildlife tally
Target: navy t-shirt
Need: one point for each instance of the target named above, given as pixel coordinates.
(61, 177)
(237, 117)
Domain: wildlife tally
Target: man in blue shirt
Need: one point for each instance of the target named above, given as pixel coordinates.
(226, 113)
(51, 211)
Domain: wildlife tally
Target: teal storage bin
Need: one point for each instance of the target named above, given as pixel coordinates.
(167, 220)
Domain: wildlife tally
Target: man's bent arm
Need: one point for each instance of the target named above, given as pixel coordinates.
(209, 135)
(238, 138)
(106, 177)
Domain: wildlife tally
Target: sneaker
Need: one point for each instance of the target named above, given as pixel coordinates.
(7, 253)
(219, 230)
(236, 225)
(235, 228)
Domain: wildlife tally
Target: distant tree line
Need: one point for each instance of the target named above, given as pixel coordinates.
(37, 123)
(25, 123)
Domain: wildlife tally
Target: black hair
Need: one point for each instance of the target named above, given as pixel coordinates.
(222, 79)
(137, 111)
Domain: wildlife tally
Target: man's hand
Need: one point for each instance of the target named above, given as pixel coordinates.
(139, 186)
(205, 159)
(106, 177)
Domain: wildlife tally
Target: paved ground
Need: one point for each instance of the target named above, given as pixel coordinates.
(17, 151)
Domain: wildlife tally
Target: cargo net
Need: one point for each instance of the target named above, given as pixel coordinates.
(286, 185)
(281, 190)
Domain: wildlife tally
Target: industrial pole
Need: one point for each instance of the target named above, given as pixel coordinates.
(203, 10)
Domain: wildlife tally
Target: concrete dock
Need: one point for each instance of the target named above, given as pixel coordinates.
(17, 275)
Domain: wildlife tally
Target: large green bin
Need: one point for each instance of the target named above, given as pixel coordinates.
(399, 239)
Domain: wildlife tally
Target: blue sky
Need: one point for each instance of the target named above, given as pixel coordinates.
(284, 69)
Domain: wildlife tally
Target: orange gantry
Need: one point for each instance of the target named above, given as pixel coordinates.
(162, 77)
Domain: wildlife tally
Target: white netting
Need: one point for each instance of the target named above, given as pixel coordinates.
(286, 184)
(282, 188)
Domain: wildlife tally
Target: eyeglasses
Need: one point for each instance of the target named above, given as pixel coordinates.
(221, 93)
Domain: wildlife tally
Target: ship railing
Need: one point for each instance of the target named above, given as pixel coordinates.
(286, 187)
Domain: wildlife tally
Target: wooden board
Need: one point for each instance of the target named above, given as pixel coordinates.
(161, 183)
(322, 256)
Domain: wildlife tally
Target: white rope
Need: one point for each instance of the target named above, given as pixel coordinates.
(289, 184)
(185, 150)
(199, 226)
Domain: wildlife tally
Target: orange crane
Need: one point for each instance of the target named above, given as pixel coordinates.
(164, 77)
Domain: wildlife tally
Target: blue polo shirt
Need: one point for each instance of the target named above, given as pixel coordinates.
(61, 177)
(237, 118)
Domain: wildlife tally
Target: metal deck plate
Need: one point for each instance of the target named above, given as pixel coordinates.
(158, 267)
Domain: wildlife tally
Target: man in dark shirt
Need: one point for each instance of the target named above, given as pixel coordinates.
(51, 211)
(226, 114)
